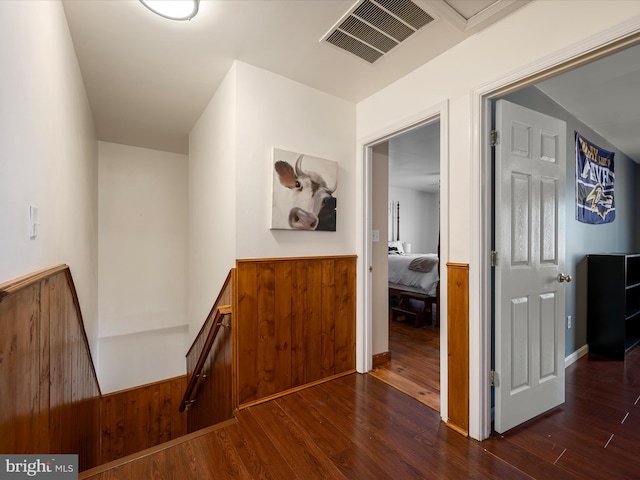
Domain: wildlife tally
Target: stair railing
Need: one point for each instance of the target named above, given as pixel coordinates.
(197, 378)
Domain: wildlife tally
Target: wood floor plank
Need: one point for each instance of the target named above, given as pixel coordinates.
(261, 457)
(223, 460)
(527, 462)
(455, 456)
(589, 427)
(357, 427)
(293, 443)
(353, 421)
(381, 405)
(414, 368)
(355, 463)
(324, 433)
(348, 456)
(400, 440)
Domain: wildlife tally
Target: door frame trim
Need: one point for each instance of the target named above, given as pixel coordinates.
(592, 48)
(364, 331)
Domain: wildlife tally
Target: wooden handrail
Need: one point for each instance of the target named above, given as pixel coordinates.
(197, 379)
(17, 284)
(225, 285)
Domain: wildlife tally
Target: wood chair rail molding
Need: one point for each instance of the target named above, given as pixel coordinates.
(293, 259)
(15, 285)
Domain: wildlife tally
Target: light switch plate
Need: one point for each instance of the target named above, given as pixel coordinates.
(33, 221)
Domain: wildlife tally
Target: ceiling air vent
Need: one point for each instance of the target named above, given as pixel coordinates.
(373, 28)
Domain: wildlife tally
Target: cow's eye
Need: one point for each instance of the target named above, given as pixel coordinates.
(297, 184)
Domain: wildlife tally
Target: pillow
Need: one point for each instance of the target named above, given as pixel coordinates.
(395, 248)
(424, 263)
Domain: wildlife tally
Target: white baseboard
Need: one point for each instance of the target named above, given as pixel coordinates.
(572, 358)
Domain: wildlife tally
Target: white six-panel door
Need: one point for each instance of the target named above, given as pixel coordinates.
(529, 233)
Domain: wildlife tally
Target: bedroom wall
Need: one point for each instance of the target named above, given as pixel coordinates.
(419, 218)
(48, 152)
(583, 239)
(142, 264)
(231, 175)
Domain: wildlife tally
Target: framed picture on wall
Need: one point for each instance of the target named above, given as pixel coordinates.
(304, 192)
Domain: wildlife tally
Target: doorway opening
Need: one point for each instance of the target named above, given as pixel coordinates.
(406, 213)
(545, 94)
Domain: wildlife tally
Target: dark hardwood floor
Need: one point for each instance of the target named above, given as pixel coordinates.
(354, 427)
(594, 435)
(414, 367)
(357, 427)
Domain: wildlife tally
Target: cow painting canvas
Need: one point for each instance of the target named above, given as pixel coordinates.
(304, 192)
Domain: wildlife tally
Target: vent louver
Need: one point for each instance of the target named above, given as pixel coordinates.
(373, 28)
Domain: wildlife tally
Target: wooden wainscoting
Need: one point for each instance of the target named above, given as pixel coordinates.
(142, 417)
(295, 323)
(458, 345)
(215, 398)
(50, 398)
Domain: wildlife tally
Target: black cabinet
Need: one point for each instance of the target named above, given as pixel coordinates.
(613, 304)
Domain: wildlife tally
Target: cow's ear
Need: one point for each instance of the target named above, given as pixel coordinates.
(286, 174)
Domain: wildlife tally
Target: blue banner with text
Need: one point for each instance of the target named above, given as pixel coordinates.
(595, 177)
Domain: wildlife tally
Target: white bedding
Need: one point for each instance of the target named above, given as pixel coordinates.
(399, 272)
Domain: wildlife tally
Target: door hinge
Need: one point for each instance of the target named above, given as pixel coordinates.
(494, 258)
(494, 380)
(494, 138)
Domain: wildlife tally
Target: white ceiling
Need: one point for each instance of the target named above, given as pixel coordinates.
(605, 95)
(414, 159)
(148, 79)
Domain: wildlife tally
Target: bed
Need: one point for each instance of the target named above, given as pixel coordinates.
(414, 283)
(414, 287)
(416, 270)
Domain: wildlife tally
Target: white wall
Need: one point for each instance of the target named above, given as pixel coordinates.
(538, 30)
(419, 218)
(142, 265)
(48, 152)
(274, 111)
(231, 173)
(212, 201)
(453, 75)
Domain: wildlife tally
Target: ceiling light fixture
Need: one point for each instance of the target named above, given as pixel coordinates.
(173, 9)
